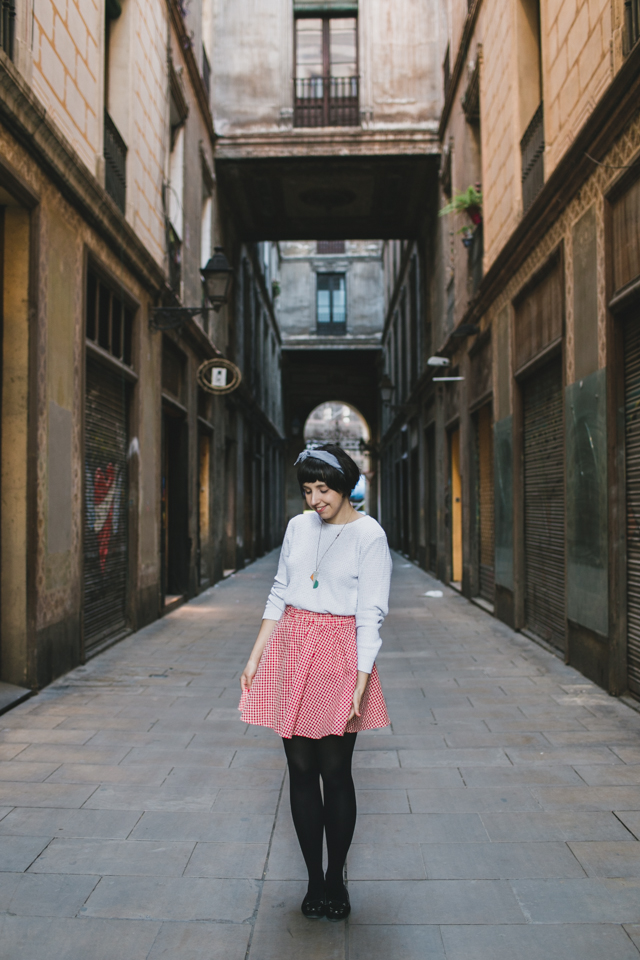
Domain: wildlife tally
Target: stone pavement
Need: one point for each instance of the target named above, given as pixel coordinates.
(498, 819)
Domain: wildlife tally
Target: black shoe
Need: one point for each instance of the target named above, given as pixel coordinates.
(338, 908)
(313, 909)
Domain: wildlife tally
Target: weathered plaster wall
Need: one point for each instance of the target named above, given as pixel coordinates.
(362, 264)
(401, 46)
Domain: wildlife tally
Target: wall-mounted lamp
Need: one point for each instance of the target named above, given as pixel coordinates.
(438, 362)
(386, 389)
(217, 277)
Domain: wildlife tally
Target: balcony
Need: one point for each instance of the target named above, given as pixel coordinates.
(115, 163)
(326, 102)
(7, 26)
(532, 152)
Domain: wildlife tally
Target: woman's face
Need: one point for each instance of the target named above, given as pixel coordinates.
(321, 498)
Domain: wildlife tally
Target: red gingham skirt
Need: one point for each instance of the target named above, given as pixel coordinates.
(306, 679)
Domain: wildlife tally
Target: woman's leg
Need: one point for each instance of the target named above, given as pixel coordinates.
(334, 754)
(306, 806)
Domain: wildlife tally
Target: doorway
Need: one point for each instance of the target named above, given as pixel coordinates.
(456, 507)
(175, 508)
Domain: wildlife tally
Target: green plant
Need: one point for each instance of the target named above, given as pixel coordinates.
(469, 201)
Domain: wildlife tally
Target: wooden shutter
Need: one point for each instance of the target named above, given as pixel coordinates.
(544, 503)
(626, 234)
(539, 313)
(632, 430)
(105, 524)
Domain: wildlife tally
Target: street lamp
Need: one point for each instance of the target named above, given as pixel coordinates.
(386, 389)
(217, 277)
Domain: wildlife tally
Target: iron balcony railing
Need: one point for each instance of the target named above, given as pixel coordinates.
(115, 163)
(7, 26)
(326, 102)
(632, 23)
(532, 152)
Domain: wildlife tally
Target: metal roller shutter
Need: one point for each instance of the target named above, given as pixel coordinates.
(632, 431)
(544, 504)
(105, 525)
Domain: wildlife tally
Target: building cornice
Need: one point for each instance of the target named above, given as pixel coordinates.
(338, 142)
(27, 121)
(607, 121)
(458, 67)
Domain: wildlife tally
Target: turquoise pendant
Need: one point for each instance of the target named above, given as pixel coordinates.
(314, 578)
(315, 584)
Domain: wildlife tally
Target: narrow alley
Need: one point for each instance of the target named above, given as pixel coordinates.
(498, 817)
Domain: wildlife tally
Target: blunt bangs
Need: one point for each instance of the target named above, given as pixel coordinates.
(312, 471)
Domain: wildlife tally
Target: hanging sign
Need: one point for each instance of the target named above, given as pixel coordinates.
(219, 376)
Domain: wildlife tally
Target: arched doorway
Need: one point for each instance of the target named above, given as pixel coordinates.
(338, 422)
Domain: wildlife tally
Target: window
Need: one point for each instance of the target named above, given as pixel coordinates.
(205, 230)
(109, 321)
(331, 309)
(326, 80)
(117, 29)
(175, 188)
(632, 24)
(8, 26)
(330, 246)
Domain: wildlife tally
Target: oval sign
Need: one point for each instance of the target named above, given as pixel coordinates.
(219, 376)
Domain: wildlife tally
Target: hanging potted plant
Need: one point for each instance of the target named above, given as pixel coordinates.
(469, 202)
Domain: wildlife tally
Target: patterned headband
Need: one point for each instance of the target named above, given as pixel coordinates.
(323, 455)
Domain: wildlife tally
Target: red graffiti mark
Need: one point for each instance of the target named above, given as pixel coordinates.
(104, 489)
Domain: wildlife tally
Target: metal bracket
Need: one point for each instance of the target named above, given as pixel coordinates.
(170, 318)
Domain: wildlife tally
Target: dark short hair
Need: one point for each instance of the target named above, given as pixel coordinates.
(311, 470)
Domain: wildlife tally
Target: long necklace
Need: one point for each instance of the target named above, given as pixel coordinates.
(314, 575)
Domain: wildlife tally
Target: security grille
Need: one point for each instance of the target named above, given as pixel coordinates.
(532, 153)
(632, 431)
(544, 504)
(105, 524)
(115, 162)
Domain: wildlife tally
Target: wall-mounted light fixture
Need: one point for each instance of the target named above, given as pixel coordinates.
(217, 277)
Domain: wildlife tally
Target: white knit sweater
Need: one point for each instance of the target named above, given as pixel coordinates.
(354, 573)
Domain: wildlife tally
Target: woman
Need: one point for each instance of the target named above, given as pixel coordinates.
(311, 675)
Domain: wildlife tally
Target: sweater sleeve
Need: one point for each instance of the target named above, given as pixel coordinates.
(374, 579)
(275, 604)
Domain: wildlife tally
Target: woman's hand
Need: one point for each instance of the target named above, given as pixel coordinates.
(358, 693)
(248, 674)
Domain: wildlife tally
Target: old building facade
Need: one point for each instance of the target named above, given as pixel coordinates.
(524, 495)
(121, 478)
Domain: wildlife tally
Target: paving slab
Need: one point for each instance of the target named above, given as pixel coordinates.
(498, 814)
(165, 898)
(38, 895)
(201, 941)
(604, 858)
(571, 941)
(579, 901)
(114, 857)
(398, 942)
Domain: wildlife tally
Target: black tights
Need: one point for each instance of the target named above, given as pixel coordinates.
(329, 758)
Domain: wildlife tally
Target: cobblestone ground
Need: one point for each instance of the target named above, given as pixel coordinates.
(498, 819)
